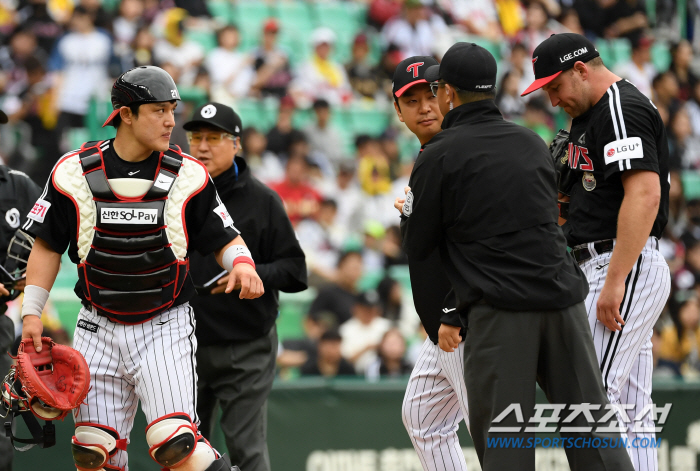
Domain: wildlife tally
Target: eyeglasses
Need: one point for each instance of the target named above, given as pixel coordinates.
(435, 85)
(213, 139)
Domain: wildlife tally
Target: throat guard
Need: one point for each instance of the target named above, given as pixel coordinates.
(133, 250)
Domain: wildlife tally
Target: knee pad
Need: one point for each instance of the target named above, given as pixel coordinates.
(175, 443)
(93, 445)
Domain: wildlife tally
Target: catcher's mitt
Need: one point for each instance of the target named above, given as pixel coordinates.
(566, 176)
(54, 381)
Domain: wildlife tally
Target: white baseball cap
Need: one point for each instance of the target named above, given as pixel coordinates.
(322, 35)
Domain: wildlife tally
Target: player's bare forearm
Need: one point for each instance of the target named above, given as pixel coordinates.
(638, 211)
(635, 220)
(43, 265)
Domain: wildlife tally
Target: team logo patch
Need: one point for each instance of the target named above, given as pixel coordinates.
(565, 157)
(623, 149)
(38, 212)
(222, 212)
(83, 324)
(413, 68)
(12, 218)
(128, 216)
(408, 204)
(208, 111)
(588, 181)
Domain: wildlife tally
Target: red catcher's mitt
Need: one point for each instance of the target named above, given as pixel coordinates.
(55, 380)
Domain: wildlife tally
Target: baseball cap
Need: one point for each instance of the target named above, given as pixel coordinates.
(409, 72)
(322, 35)
(271, 26)
(556, 54)
(369, 298)
(467, 66)
(217, 115)
(3, 117)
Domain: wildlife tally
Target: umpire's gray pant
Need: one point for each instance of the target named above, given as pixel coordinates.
(505, 352)
(238, 376)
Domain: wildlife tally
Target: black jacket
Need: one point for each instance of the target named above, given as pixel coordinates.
(258, 212)
(429, 286)
(484, 193)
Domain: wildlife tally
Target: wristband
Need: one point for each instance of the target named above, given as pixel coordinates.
(35, 298)
(236, 254)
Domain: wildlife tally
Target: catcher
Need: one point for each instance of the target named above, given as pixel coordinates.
(128, 210)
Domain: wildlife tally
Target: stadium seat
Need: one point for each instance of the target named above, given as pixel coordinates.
(222, 10)
(194, 95)
(606, 53)
(76, 137)
(401, 274)
(205, 38)
(660, 56)
(249, 17)
(368, 121)
(622, 49)
(691, 184)
(408, 147)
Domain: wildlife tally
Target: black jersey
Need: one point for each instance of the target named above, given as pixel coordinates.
(56, 224)
(623, 131)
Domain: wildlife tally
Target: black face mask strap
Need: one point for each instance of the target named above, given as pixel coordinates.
(44, 436)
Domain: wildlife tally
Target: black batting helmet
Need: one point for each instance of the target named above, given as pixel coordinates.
(145, 84)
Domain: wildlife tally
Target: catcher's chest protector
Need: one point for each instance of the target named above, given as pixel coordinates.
(133, 251)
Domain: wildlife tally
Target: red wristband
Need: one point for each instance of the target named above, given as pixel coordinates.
(242, 259)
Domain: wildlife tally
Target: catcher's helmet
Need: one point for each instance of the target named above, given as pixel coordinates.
(145, 84)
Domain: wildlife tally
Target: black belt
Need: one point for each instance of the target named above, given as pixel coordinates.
(582, 254)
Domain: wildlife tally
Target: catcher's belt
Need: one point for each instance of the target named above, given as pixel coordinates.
(44, 385)
(133, 250)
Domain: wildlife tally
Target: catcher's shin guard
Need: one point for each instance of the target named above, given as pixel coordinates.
(93, 445)
(175, 443)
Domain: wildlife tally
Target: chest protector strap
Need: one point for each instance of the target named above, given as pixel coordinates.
(131, 273)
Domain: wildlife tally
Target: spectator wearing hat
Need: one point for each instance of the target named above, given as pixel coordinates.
(364, 331)
(363, 75)
(229, 68)
(271, 63)
(328, 361)
(638, 69)
(512, 278)
(321, 76)
(237, 338)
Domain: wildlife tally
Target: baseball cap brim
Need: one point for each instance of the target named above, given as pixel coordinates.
(432, 73)
(539, 83)
(111, 117)
(403, 89)
(194, 124)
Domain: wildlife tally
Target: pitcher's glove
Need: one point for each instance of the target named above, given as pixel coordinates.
(566, 176)
(53, 381)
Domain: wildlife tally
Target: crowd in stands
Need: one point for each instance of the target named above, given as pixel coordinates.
(312, 83)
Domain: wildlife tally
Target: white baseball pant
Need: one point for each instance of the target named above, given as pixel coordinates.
(434, 405)
(625, 356)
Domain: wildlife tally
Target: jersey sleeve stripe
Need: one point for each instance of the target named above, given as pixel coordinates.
(611, 105)
(623, 129)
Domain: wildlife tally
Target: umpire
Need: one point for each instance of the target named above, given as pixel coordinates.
(237, 338)
(17, 196)
(483, 193)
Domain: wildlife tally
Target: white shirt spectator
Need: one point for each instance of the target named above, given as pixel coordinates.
(185, 57)
(82, 59)
(230, 70)
(358, 336)
(640, 78)
(414, 41)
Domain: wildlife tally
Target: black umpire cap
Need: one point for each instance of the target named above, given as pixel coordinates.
(410, 72)
(467, 66)
(216, 115)
(556, 54)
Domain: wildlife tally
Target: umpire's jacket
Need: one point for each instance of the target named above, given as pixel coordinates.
(484, 192)
(259, 214)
